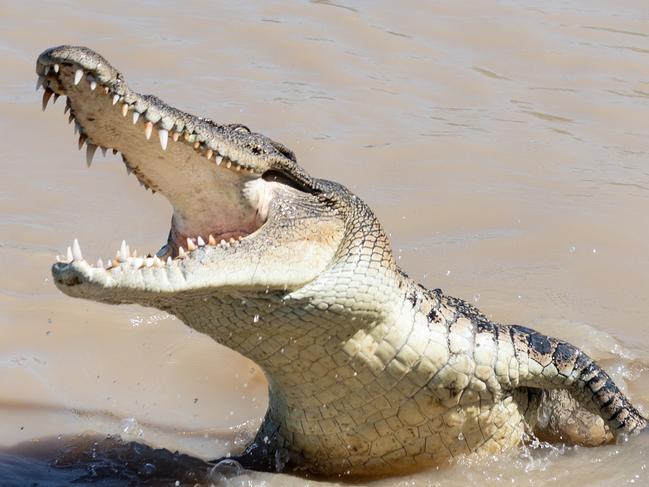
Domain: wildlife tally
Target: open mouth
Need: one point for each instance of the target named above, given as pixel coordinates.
(215, 176)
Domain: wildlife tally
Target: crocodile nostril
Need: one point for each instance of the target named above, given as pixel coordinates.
(69, 281)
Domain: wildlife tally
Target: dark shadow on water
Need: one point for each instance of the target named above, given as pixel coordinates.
(79, 461)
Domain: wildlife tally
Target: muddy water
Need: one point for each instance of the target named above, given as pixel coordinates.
(504, 145)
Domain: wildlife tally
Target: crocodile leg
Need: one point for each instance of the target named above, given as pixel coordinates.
(551, 364)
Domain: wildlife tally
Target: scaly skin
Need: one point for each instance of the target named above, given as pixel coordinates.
(369, 373)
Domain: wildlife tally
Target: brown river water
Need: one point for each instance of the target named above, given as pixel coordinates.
(503, 144)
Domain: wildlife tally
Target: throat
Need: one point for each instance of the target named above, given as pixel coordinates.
(220, 213)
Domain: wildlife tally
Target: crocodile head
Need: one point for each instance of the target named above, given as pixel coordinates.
(246, 216)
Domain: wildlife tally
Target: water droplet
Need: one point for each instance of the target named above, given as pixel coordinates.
(131, 428)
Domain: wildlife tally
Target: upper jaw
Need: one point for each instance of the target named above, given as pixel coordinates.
(62, 69)
(198, 165)
(210, 173)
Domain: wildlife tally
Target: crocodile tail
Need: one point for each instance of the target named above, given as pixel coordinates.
(548, 363)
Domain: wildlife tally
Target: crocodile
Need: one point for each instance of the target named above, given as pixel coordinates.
(369, 372)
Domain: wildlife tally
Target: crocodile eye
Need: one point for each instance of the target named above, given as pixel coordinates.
(242, 129)
(285, 151)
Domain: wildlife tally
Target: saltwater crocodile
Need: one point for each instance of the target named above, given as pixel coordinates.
(368, 371)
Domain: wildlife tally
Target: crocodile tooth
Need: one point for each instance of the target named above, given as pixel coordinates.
(47, 70)
(228, 164)
(93, 83)
(77, 127)
(200, 241)
(136, 115)
(82, 140)
(123, 251)
(106, 90)
(190, 244)
(211, 240)
(219, 160)
(115, 99)
(56, 68)
(124, 109)
(90, 153)
(78, 74)
(232, 240)
(163, 135)
(39, 82)
(223, 242)
(238, 168)
(69, 254)
(197, 144)
(148, 261)
(137, 262)
(76, 250)
(169, 261)
(148, 130)
(100, 263)
(103, 151)
(56, 97)
(46, 97)
(175, 136)
(181, 252)
(70, 118)
(68, 105)
(156, 261)
(209, 153)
